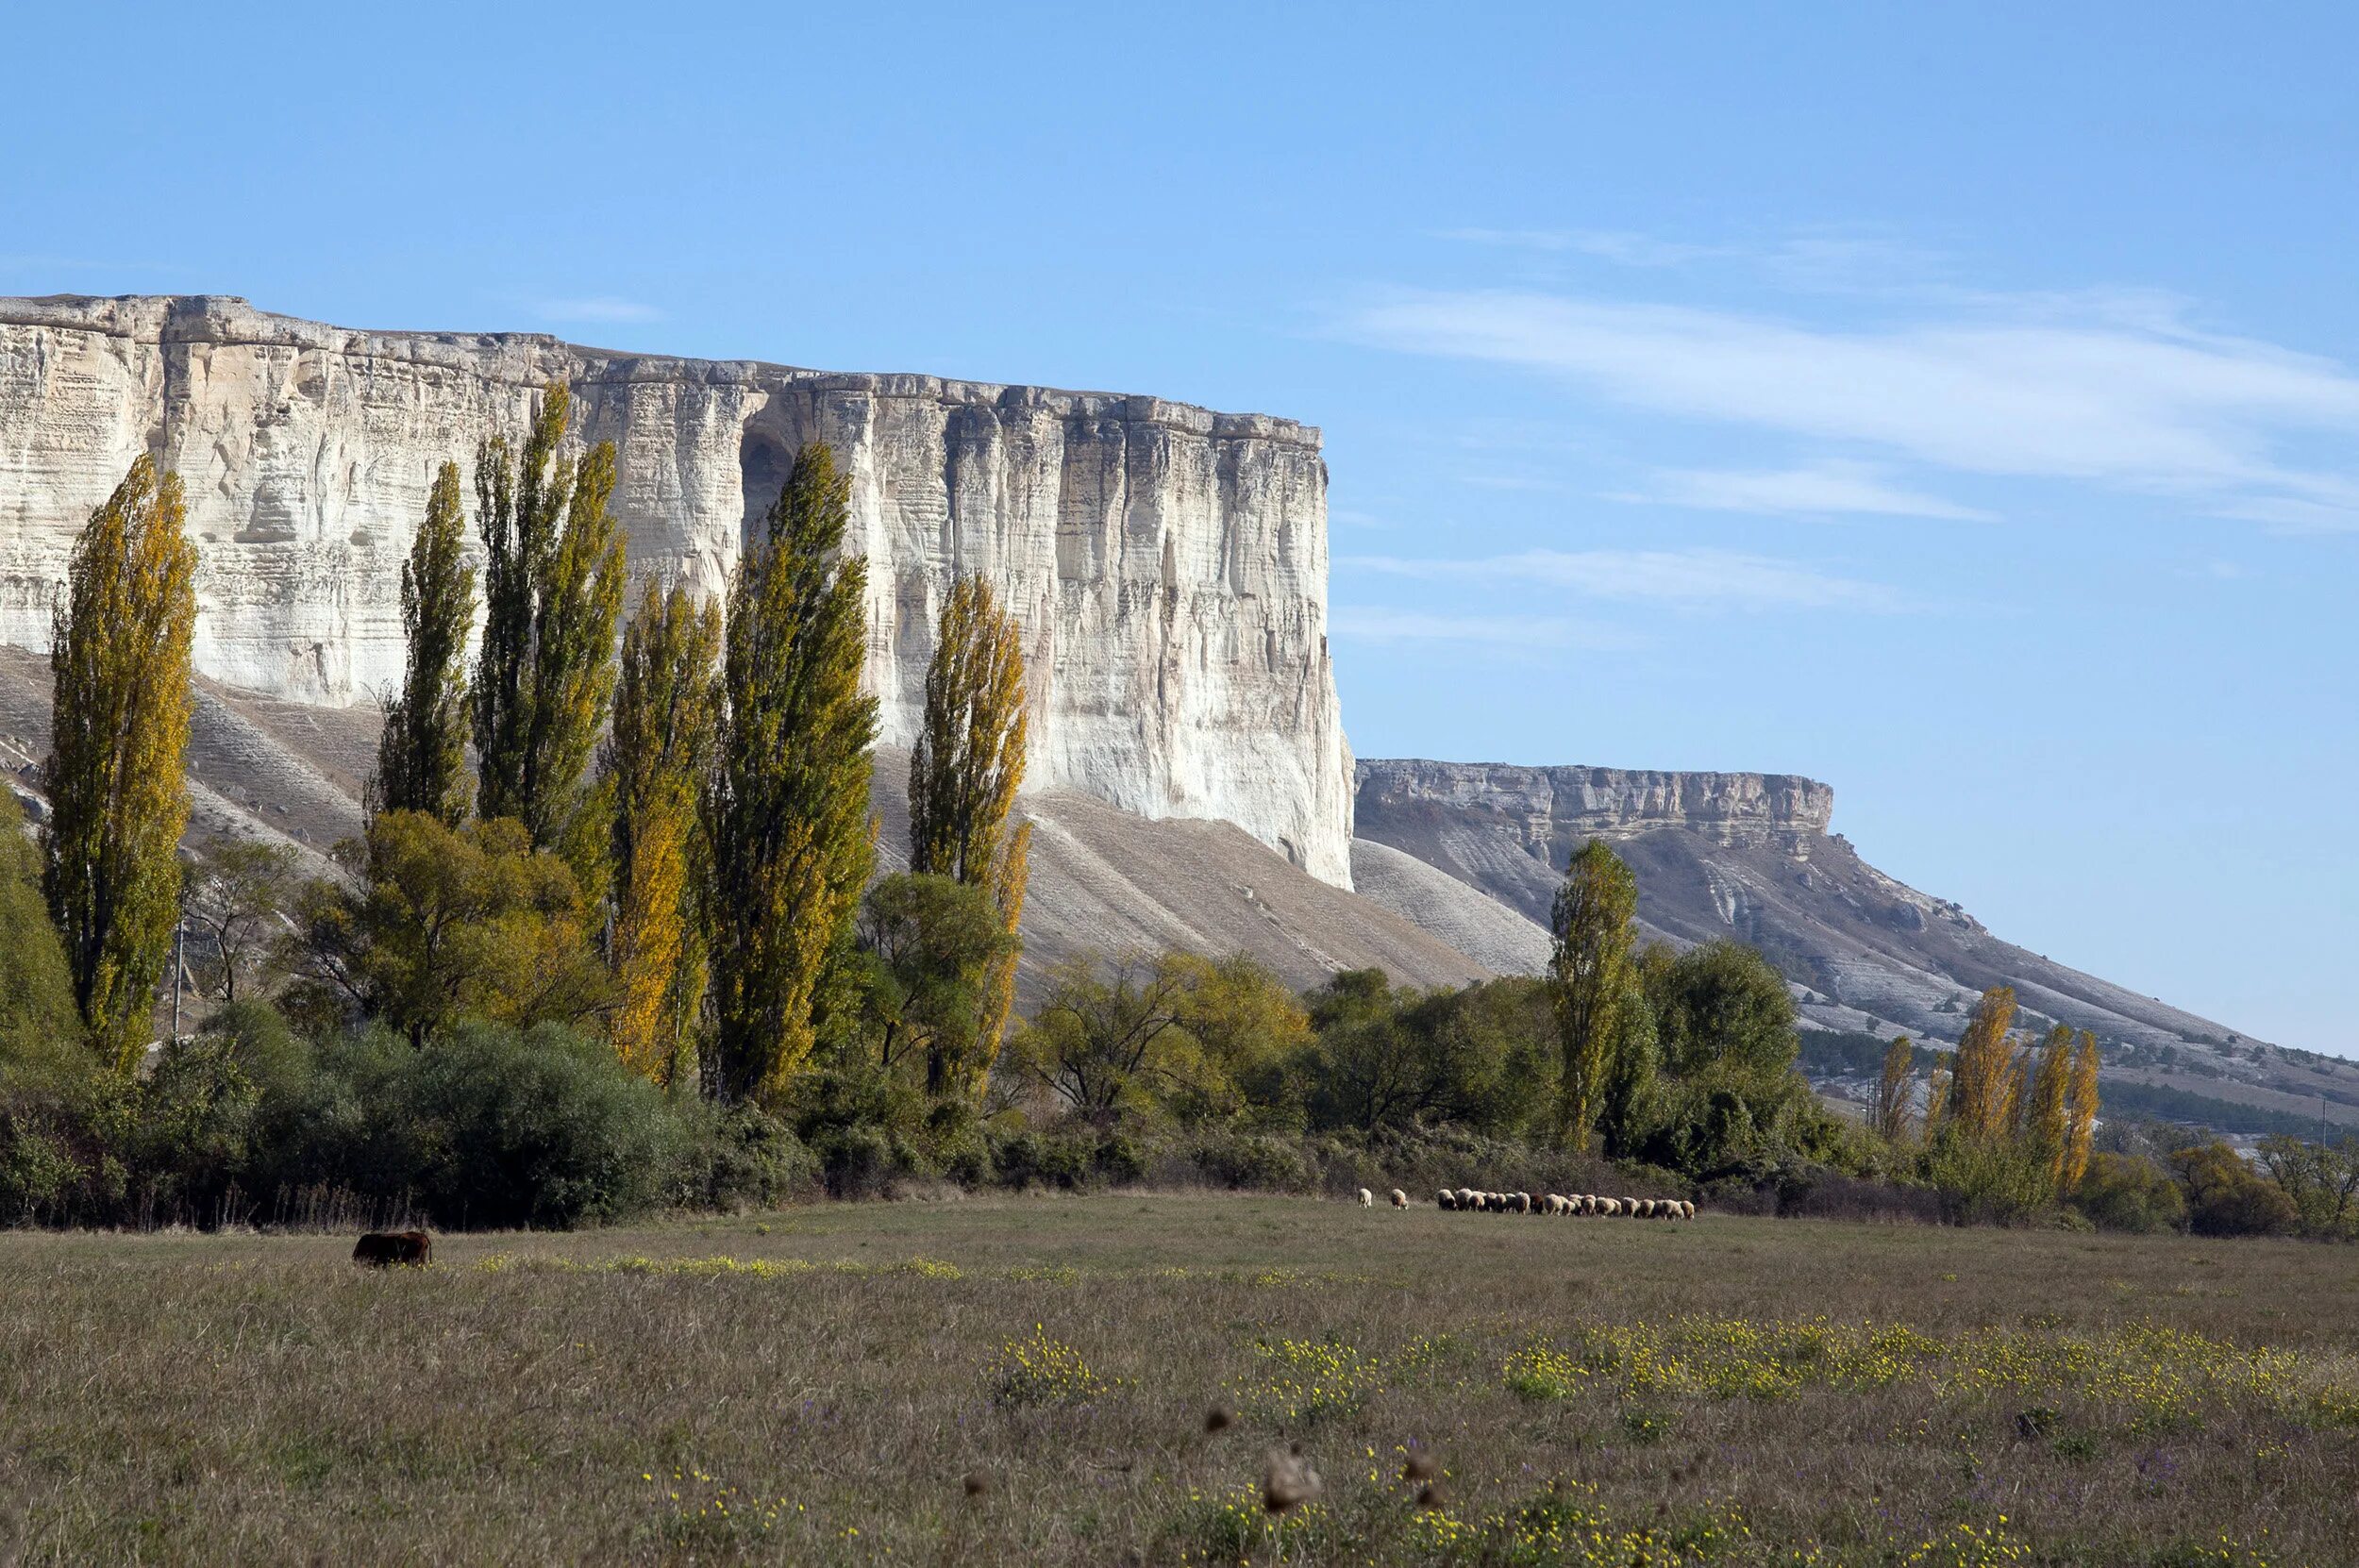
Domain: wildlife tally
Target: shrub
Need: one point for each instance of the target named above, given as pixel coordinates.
(740, 1158)
(2127, 1192)
(2227, 1198)
(1251, 1160)
(1065, 1160)
(537, 1128)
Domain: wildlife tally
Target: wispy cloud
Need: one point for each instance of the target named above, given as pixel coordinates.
(597, 308)
(1834, 259)
(1690, 579)
(1818, 488)
(2123, 396)
(1377, 623)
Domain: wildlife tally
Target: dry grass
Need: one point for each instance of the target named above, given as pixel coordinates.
(1027, 1381)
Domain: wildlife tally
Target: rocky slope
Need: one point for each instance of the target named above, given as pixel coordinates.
(1169, 564)
(1750, 856)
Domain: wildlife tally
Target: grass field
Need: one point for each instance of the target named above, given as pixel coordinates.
(815, 1386)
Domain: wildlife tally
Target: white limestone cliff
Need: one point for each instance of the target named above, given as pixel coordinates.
(1169, 564)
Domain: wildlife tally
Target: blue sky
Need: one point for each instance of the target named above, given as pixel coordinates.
(1955, 404)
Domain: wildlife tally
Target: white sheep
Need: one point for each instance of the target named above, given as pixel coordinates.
(1559, 1204)
(1520, 1203)
(1469, 1199)
(1400, 1199)
(1611, 1207)
(1646, 1208)
(1368, 1199)
(1687, 1210)
(1446, 1200)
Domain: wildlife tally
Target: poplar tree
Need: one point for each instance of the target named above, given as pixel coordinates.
(2080, 1112)
(2046, 1117)
(1590, 978)
(553, 589)
(1891, 1114)
(665, 719)
(421, 756)
(119, 661)
(1979, 1081)
(787, 808)
(964, 771)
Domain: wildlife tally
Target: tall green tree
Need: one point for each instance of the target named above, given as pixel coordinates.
(1890, 1116)
(553, 589)
(2081, 1111)
(1591, 979)
(40, 1032)
(421, 756)
(2047, 1110)
(1980, 1083)
(787, 808)
(964, 771)
(118, 663)
(666, 723)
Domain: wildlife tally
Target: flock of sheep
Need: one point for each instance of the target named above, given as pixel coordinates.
(1466, 1200)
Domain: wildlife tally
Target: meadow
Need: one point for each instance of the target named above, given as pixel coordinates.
(1028, 1379)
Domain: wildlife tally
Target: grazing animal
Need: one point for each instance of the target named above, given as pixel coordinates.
(1400, 1199)
(1610, 1207)
(1466, 1198)
(1520, 1203)
(1646, 1208)
(382, 1249)
(1368, 1199)
(1687, 1210)
(1445, 1199)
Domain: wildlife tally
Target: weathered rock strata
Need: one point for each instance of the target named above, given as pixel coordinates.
(1169, 564)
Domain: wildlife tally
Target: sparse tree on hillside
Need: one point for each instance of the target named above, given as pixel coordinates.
(118, 802)
(964, 771)
(421, 756)
(553, 588)
(2081, 1111)
(239, 892)
(1590, 980)
(787, 810)
(1978, 1082)
(667, 719)
(1891, 1112)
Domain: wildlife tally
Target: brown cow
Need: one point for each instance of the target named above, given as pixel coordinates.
(382, 1249)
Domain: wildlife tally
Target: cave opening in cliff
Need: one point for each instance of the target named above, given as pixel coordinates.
(764, 462)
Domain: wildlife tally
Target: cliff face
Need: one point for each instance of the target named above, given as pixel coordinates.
(1582, 802)
(1169, 564)
(1741, 856)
